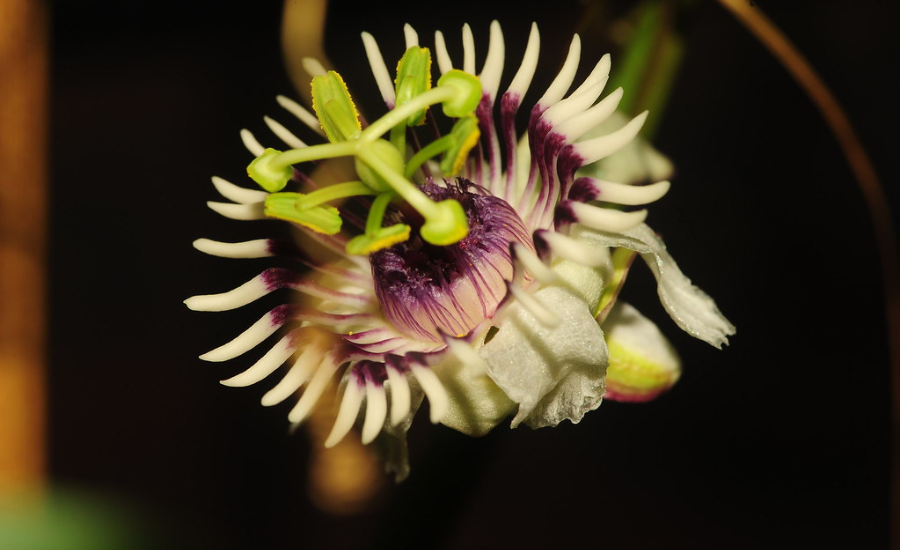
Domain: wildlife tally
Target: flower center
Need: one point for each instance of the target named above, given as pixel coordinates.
(426, 290)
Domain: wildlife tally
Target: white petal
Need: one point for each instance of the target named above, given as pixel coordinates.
(597, 148)
(400, 398)
(300, 112)
(241, 212)
(376, 411)
(431, 385)
(493, 65)
(346, 416)
(313, 391)
(298, 374)
(576, 127)
(443, 58)
(251, 290)
(379, 69)
(238, 194)
(267, 364)
(563, 80)
(251, 143)
(606, 219)
(313, 66)
(468, 49)
(522, 80)
(691, 308)
(621, 193)
(284, 134)
(258, 248)
(412, 38)
(247, 340)
(554, 374)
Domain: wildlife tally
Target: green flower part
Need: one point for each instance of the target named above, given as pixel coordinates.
(467, 96)
(413, 79)
(487, 283)
(335, 109)
(321, 219)
(269, 175)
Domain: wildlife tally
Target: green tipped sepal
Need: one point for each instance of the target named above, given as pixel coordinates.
(446, 224)
(288, 206)
(267, 173)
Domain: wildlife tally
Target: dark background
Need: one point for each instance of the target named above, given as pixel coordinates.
(781, 440)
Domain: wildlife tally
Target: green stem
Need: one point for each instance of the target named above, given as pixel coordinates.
(401, 185)
(399, 114)
(376, 212)
(314, 152)
(433, 149)
(336, 191)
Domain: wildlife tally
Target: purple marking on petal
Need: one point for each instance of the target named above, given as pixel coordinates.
(509, 106)
(541, 246)
(569, 162)
(281, 247)
(584, 190)
(564, 214)
(397, 362)
(371, 371)
(425, 289)
(275, 278)
(282, 314)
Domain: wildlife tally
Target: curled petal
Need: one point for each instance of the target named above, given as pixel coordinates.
(691, 308)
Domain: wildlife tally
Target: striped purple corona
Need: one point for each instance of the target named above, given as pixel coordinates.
(516, 314)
